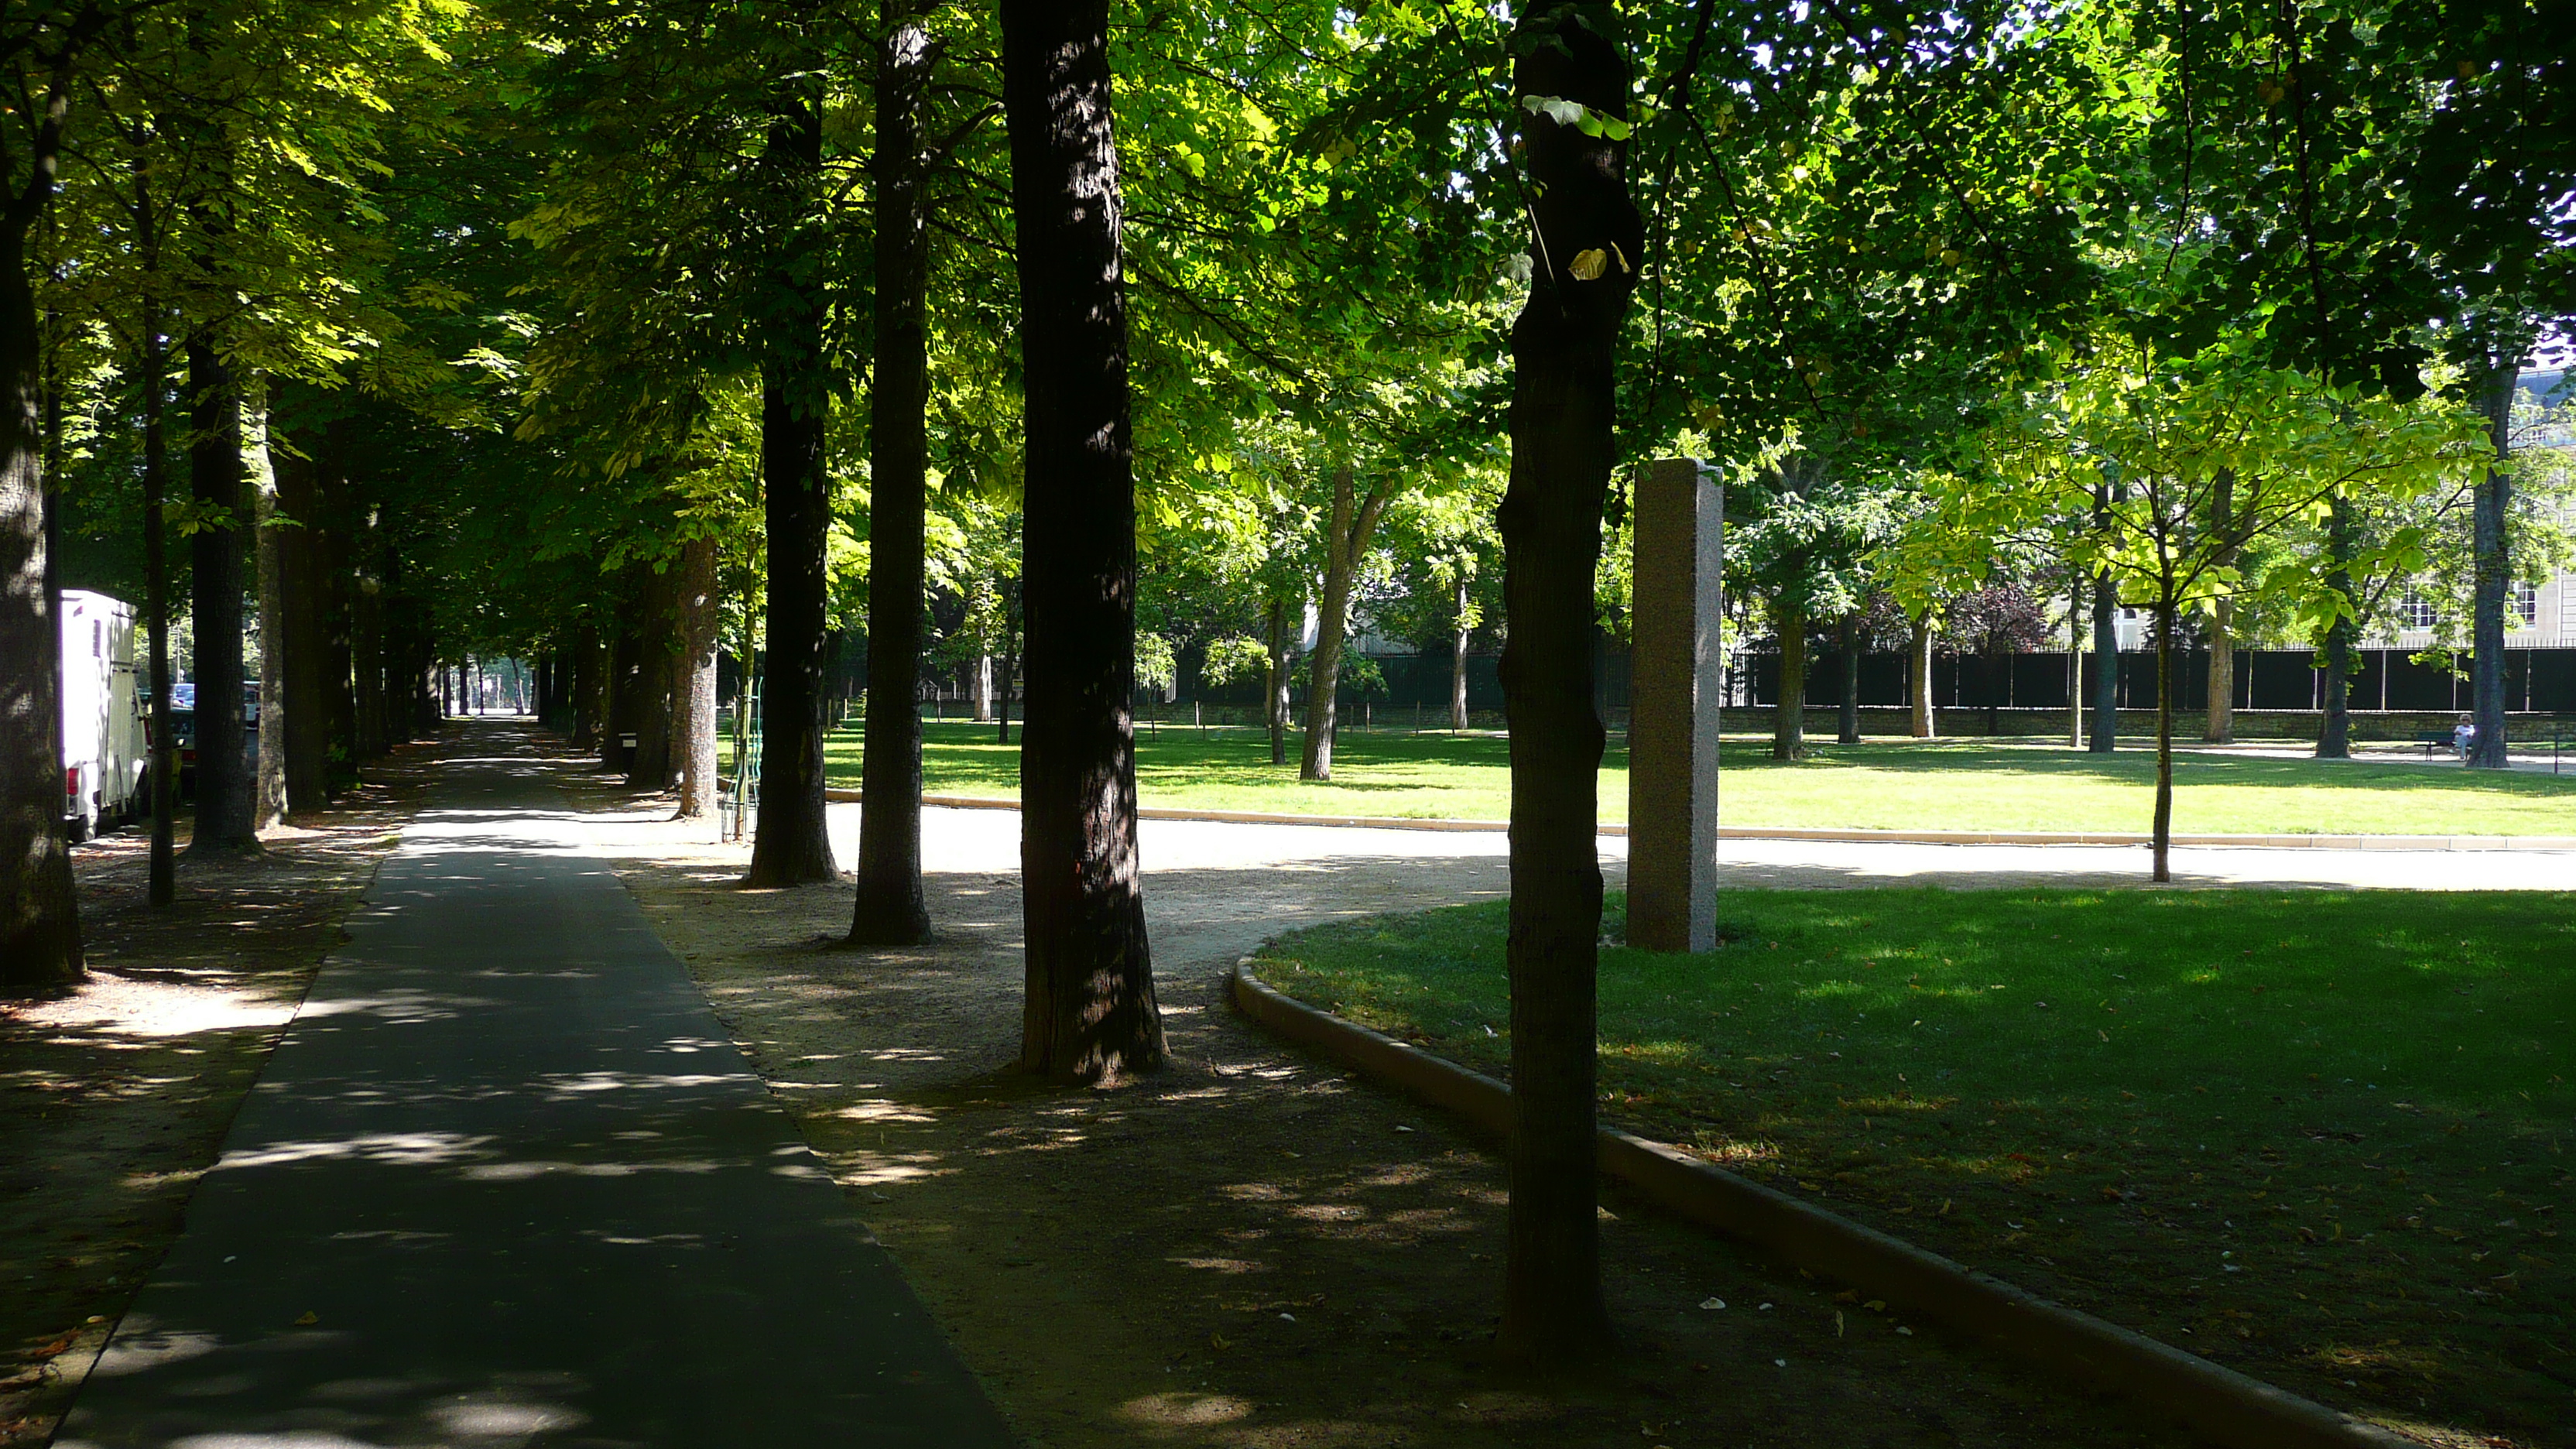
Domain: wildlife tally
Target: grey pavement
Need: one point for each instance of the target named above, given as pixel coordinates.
(507, 1181)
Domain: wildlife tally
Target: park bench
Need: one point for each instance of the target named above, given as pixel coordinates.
(2431, 741)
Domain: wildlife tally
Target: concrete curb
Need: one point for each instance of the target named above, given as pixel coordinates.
(2230, 1407)
(1856, 837)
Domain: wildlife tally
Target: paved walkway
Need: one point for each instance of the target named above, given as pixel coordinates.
(507, 1181)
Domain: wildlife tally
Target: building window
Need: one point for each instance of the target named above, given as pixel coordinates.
(2415, 612)
(2526, 604)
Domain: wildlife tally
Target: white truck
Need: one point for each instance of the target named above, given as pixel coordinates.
(104, 754)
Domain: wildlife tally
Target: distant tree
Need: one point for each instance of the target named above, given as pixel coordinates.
(2282, 447)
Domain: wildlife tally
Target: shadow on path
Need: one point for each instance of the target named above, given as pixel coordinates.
(507, 1181)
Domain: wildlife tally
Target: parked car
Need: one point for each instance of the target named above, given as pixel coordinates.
(183, 739)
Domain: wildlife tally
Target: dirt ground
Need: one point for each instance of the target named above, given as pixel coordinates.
(1255, 1250)
(115, 1097)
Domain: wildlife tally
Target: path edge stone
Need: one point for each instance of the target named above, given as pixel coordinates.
(2233, 1409)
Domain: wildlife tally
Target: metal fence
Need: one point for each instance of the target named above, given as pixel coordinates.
(2389, 680)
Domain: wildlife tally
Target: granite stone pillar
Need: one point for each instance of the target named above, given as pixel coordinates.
(1678, 684)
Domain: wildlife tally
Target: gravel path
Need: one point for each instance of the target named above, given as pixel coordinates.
(1204, 913)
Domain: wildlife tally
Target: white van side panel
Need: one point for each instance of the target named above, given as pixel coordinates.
(102, 721)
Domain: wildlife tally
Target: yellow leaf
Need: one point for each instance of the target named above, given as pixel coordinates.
(308, 1320)
(1588, 264)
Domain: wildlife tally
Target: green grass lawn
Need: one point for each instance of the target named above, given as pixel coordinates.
(2317, 1136)
(1941, 785)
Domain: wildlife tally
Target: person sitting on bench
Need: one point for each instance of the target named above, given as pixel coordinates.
(2464, 736)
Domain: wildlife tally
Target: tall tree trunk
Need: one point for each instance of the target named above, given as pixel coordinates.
(268, 794)
(2165, 620)
(1789, 719)
(2494, 578)
(366, 654)
(1458, 661)
(1918, 679)
(1351, 525)
(303, 725)
(656, 661)
(1564, 396)
(1274, 685)
(40, 943)
(793, 846)
(161, 886)
(693, 695)
(2334, 736)
(1848, 716)
(589, 684)
(1010, 663)
(1090, 1010)
(2221, 726)
(888, 908)
(2075, 665)
(625, 700)
(2106, 668)
(226, 800)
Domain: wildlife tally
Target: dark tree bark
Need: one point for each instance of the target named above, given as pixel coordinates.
(367, 651)
(1789, 720)
(2166, 617)
(589, 682)
(792, 846)
(2075, 665)
(615, 661)
(1274, 682)
(2219, 722)
(1352, 523)
(40, 944)
(1564, 353)
(161, 883)
(1010, 661)
(225, 785)
(339, 583)
(305, 725)
(888, 909)
(2494, 578)
(693, 693)
(2334, 737)
(656, 661)
(2106, 666)
(268, 780)
(1090, 1012)
(625, 699)
(1847, 716)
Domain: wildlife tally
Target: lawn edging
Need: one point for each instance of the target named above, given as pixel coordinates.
(1824, 833)
(2231, 1408)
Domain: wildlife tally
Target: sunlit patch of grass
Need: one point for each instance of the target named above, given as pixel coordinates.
(1886, 785)
(2342, 1115)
